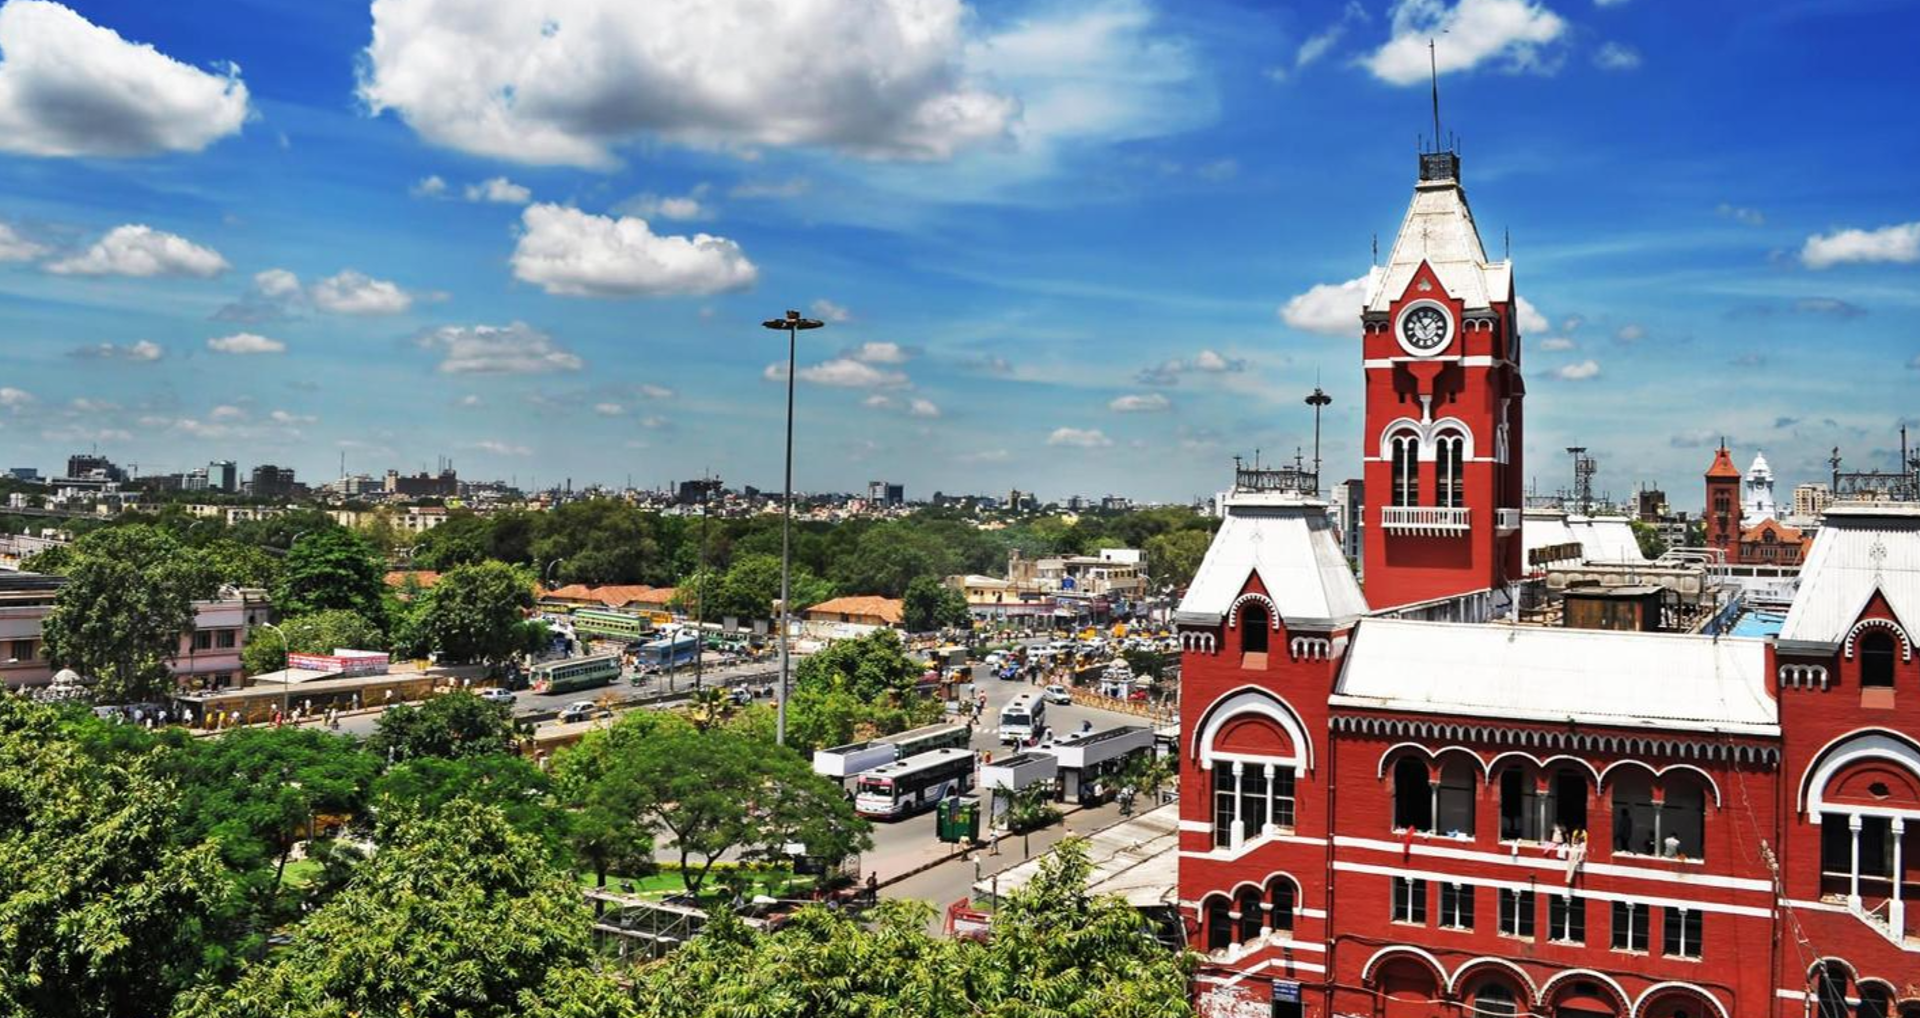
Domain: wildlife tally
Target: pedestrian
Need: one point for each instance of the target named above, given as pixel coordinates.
(356, 701)
(873, 888)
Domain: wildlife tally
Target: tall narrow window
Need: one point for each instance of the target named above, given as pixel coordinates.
(1219, 923)
(1282, 795)
(1629, 926)
(1248, 905)
(1254, 623)
(1224, 795)
(1456, 906)
(1876, 660)
(1680, 933)
(1283, 903)
(1409, 900)
(1412, 796)
(1567, 919)
(1406, 470)
(1253, 800)
(1452, 464)
(1516, 913)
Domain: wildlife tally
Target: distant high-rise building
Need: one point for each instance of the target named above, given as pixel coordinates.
(701, 490)
(445, 484)
(222, 476)
(1650, 505)
(89, 464)
(271, 481)
(1812, 498)
(1350, 512)
(885, 493)
(24, 473)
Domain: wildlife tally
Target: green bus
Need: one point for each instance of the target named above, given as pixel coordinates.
(598, 622)
(573, 674)
(927, 739)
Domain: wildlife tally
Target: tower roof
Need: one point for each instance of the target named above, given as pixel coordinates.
(1723, 466)
(1760, 469)
(1288, 543)
(1439, 231)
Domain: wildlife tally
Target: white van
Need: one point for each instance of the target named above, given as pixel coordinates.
(1024, 718)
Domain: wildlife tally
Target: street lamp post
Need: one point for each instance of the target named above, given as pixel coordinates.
(1316, 401)
(286, 652)
(792, 324)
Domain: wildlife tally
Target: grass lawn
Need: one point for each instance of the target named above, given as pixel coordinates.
(769, 882)
(301, 872)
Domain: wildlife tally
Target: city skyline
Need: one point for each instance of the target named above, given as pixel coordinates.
(1086, 252)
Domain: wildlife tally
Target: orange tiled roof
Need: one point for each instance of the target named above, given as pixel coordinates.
(1782, 534)
(887, 609)
(1723, 465)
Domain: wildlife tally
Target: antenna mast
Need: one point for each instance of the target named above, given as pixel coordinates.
(1433, 70)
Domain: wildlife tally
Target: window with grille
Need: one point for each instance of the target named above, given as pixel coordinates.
(1409, 900)
(1680, 930)
(1456, 906)
(1283, 796)
(1406, 469)
(1567, 919)
(1452, 464)
(1516, 912)
(1629, 926)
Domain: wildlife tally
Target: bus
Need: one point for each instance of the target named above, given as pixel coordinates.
(598, 622)
(671, 651)
(575, 673)
(925, 740)
(1023, 719)
(913, 784)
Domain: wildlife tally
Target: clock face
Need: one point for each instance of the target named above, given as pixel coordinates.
(1425, 329)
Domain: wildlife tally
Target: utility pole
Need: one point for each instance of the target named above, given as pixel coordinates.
(793, 325)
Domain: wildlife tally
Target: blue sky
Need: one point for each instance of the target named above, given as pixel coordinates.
(1064, 246)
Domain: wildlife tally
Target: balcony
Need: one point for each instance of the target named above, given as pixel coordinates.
(1424, 520)
(1506, 521)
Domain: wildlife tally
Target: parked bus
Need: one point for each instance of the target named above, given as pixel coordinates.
(574, 674)
(1024, 718)
(620, 625)
(916, 741)
(913, 784)
(672, 651)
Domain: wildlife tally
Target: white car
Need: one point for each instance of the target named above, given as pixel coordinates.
(494, 694)
(1057, 694)
(579, 710)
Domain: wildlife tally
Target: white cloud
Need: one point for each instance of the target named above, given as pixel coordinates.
(652, 391)
(471, 399)
(1531, 320)
(750, 189)
(1631, 333)
(573, 253)
(276, 283)
(922, 408)
(880, 402)
(289, 418)
(137, 250)
(1206, 361)
(515, 349)
(1147, 403)
(879, 353)
(354, 293)
(676, 207)
(227, 412)
(828, 311)
(609, 409)
(1324, 40)
(140, 351)
(15, 248)
(1900, 243)
(499, 448)
(71, 88)
(1466, 34)
(1578, 372)
(1554, 344)
(1740, 214)
(1080, 438)
(499, 191)
(1330, 309)
(245, 343)
(566, 81)
(1615, 56)
(431, 186)
(845, 373)
(14, 399)
(986, 456)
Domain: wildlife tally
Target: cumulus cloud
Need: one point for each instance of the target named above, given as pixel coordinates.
(1741, 214)
(1694, 438)
(652, 391)
(1614, 56)
(1578, 372)
(667, 206)
(1079, 438)
(72, 88)
(140, 352)
(354, 293)
(986, 456)
(431, 186)
(137, 250)
(609, 409)
(1631, 333)
(1899, 243)
(1330, 309)
(1555, 343)
(513, 349)
(1140, 403)
(1531, 320)
(1509, 34)
(499, 448)
(245, 343)
(288, 417)
(15, 248)
(879, 353)
(499, 191)
(922, 408)
(14, 399)
(828, 311)
(1205, 362)
(566, 81)
(844, 373)
(573, 253)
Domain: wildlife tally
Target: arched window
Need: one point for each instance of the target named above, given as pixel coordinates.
(1254, 623)
(1683, 816)
(1830, 991)
(1532, 810)
(1875, 1001)
(1633, 812)
(1412, 795)
(1493, 998)
(1876, 659)
(1248, 903)
(1406, 469)
(1281, 895)
(1451, 462)
(1454, 797)
(1219, 922)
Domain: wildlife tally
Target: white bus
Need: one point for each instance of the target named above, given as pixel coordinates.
(1025, 718)
(913, 784)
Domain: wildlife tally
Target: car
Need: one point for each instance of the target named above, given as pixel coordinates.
(580, 710)
(1057, 694)
(494, 694)
(740, 695)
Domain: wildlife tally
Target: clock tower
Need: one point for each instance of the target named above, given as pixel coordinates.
(1441, 351)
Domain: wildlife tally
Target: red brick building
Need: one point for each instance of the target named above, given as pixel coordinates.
(1430, 811)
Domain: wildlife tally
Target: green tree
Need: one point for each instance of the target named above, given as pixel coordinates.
(103, 906)
(127, 601)
(319, 633)
(508, 782)
(242, 565)
(606, 828)
(930, 605)
(331, 568)
(1648, 537)
(463, 540)
(752, 585)
(450, 726)
(602, 540)
(1173, 557)
(458, 915)
(474, 612)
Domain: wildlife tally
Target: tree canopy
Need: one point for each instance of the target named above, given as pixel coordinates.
(930, 604)
(474, 613)
(319, 633)
(126, 604)
(449, 726)
(331, 568)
